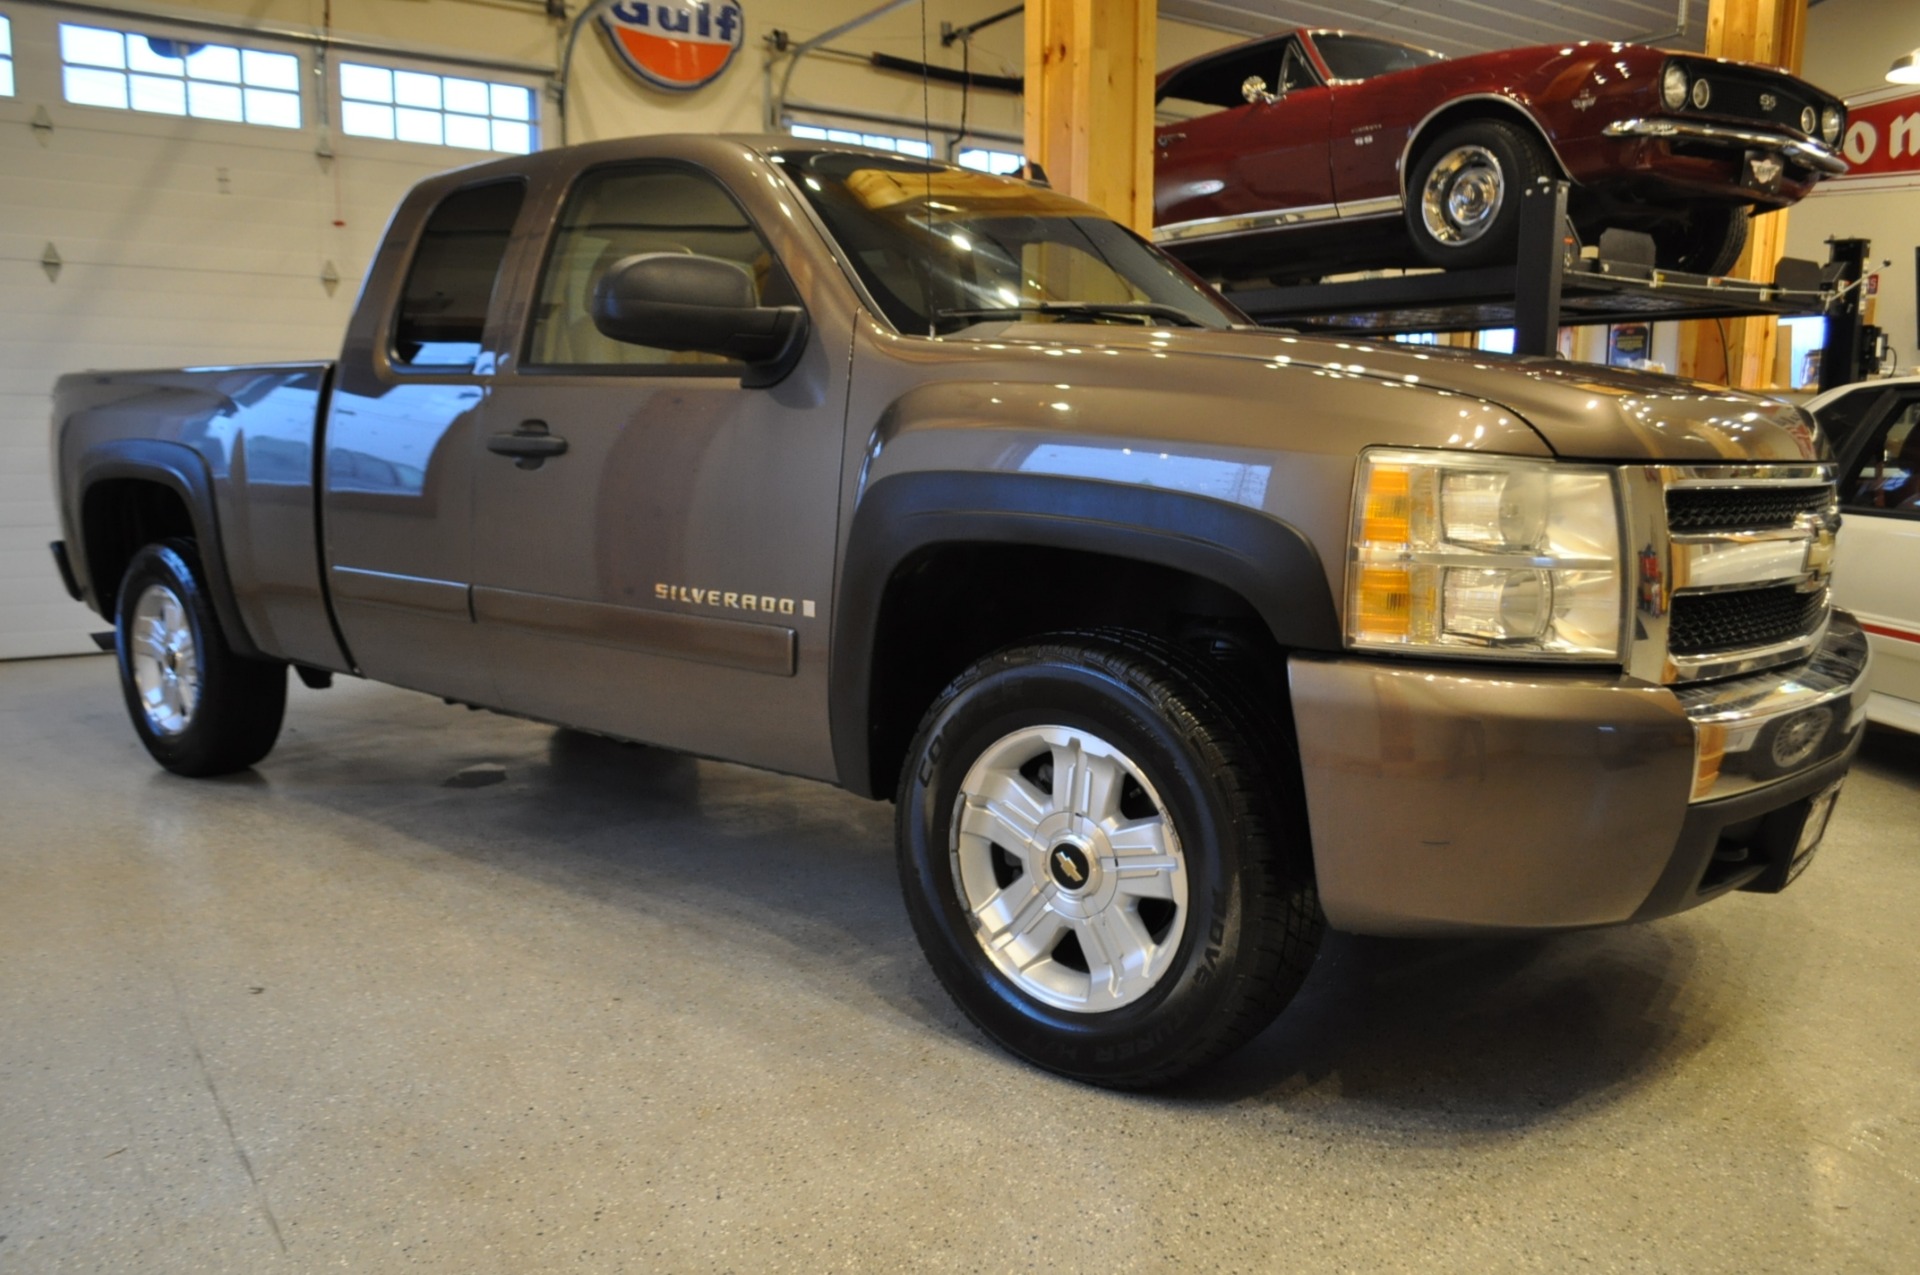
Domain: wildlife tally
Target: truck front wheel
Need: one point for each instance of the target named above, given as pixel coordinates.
(199, 708)
(1094, 845)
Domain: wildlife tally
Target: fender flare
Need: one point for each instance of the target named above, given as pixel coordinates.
(1269, 563)
(184, 472)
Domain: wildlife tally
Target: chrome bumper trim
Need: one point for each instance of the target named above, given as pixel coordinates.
(1753, 711)
(1803, 151)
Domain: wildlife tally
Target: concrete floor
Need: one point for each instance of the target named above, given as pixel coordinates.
(627, 1011)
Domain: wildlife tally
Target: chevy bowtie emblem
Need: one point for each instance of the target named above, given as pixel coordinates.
(1068, 868)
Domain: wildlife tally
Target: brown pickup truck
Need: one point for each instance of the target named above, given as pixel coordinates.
(1174, 640)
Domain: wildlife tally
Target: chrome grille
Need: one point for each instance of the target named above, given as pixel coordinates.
(1697, 509)
(1732, 567)
(1728, 621)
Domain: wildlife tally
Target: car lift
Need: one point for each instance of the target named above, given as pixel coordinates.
(1551, 286)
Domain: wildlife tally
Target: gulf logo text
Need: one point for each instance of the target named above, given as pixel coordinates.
(677, 47)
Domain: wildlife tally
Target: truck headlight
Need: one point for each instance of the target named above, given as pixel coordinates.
(1673, 86)
(1461, 554)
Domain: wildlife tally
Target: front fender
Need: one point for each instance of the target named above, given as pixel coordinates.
(1265, 561)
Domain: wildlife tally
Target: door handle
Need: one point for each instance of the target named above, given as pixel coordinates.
(531, 444)
(1167, 139)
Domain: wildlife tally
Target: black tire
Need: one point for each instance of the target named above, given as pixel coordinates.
(1708, 240)
(1195, 757)
(1463, 194)
(203, 710)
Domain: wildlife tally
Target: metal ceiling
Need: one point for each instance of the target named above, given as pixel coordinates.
(1459, 27)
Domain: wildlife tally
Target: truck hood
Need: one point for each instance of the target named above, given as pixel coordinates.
(1582, 411)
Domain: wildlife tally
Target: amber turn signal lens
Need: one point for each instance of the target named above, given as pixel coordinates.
(1385, 603)
(1709, 750)
(1388, 515)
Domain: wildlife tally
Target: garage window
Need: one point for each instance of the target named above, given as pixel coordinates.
(6, 58)
(436, 110)
(125, 71)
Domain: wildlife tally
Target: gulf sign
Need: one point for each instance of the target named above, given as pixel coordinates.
(1882, 145)
(676, 47)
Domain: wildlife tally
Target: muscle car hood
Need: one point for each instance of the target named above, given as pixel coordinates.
(1582, 411)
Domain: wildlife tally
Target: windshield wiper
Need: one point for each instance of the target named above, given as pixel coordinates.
(1082, 309)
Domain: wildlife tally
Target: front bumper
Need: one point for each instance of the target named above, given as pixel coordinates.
(1444, 799)
(1809, 154)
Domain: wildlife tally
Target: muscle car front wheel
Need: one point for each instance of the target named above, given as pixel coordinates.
(1463, 195)
(1101, 858)
(1708, 239)
(199, 708)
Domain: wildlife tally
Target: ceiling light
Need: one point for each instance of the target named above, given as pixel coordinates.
(1905, 68)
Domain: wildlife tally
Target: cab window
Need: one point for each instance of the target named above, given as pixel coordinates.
(1216, 85)
(615, 213)
(443, 305)
(1886, 477)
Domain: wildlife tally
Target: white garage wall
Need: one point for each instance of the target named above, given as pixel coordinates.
(186, 241)
(180, 241)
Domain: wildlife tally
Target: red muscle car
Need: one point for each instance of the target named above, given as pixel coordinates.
(1303, 153)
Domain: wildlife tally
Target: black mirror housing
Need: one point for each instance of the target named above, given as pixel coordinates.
(679, 301)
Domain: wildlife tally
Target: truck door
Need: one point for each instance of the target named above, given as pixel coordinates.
(666, 576)
(397, 484)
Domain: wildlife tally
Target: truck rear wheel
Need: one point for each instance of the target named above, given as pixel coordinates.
(1099, 860)
(199, 708)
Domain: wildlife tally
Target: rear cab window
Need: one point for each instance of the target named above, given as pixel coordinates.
(441, 320)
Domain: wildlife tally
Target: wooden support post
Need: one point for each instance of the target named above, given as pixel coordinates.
(1089, 102)
(1771, 32)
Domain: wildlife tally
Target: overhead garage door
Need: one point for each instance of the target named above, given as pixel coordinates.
(175, 195)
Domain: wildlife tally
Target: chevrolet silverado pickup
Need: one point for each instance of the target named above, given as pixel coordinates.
(1174, 640)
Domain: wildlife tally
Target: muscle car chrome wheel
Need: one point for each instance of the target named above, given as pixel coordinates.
(166, 667)
(1463, 192)
(1104, 855)
(199, 708)
(1070, 868)
(1462, 195)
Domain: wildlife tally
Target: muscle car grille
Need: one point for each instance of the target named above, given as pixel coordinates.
(1707, 509)
(1737, 93)
(1747, 618)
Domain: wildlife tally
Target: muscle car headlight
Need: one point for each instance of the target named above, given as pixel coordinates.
(1673, 86)
(1702, 93)
(1830, 121)
(1808, 119)
(1466, 555)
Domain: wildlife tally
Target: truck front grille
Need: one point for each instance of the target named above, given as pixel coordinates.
(1704, 622)
(1733, 567)
(1707, 509)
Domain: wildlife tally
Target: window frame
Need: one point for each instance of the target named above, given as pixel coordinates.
(534, 122)
(127, 72)
(8, 59)
(522, 348)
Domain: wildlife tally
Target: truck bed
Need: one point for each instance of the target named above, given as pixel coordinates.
(242, 445)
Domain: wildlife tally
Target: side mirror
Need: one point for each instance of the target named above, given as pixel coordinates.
(1254, 89)
(675, 301)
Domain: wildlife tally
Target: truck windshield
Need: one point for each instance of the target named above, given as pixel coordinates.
(1361, 57)
(941, 249)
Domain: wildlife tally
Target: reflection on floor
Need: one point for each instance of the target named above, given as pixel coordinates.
(612, 1008)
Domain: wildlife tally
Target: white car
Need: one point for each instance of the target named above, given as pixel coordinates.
(1875, 430)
